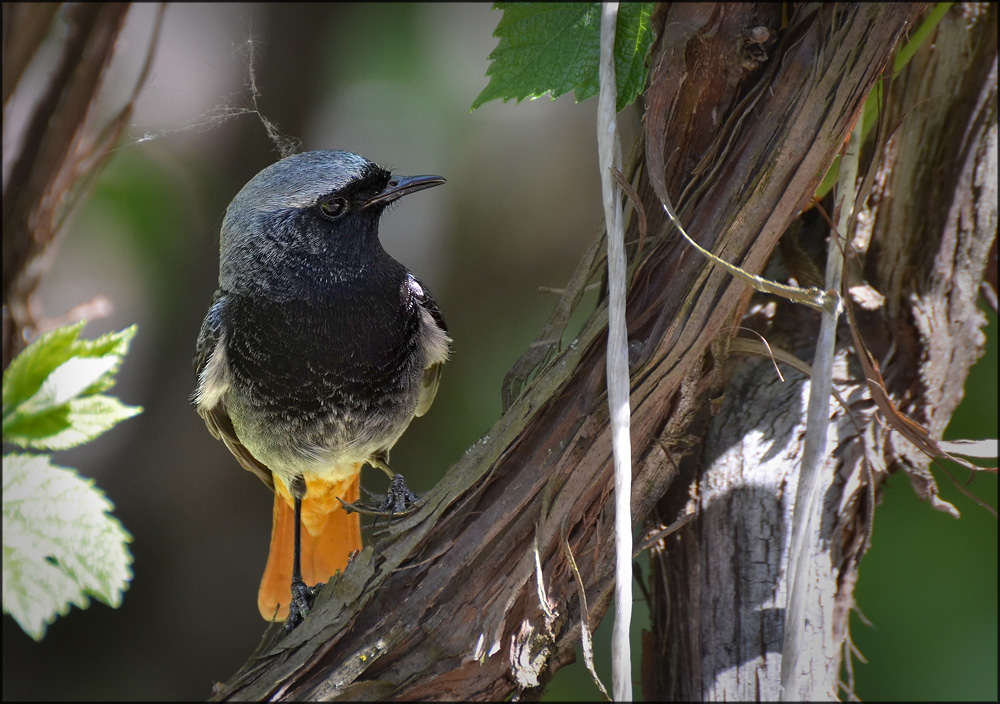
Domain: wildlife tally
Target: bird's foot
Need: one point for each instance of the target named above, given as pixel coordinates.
(398, 501)
(303, 597)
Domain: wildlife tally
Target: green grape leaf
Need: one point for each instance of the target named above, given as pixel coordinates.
(51, 396)
(73, 423)
(554, 48)
(60, 545)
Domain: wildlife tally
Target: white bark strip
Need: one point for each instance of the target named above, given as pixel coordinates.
(804, 636)
(610, 154)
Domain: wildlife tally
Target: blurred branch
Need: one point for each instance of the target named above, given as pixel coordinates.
(59, 152)
(451, 603)
(32, 22)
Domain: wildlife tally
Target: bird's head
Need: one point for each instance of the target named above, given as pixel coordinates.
(307, 221)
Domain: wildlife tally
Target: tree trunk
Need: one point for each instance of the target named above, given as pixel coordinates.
(719, 588)
(474, 596)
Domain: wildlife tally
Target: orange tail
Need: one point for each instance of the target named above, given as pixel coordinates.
(329, 536)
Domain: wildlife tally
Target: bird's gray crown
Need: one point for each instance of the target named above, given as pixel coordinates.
(267, 242)
(297, 182)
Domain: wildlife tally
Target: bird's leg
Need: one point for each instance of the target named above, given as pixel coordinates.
(302, 595)
(398, 501)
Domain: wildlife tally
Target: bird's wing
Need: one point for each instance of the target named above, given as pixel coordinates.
(435, 342)
(211, 366)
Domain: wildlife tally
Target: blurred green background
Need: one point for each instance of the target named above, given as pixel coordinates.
(394, 83)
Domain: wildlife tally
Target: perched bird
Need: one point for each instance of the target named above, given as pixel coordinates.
(316, 353)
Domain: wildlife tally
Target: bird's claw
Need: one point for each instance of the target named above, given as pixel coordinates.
(303, 597)
(398, 501)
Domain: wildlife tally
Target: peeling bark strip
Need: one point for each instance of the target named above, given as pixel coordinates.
(743, 118)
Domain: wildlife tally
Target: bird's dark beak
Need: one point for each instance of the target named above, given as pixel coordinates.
(400, 186)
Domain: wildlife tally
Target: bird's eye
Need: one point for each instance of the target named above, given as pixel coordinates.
(333, 208)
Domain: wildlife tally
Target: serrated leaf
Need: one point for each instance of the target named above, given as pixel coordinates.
(632, 41)
(26, 372)
(553, 48)
(67, 381)
(113, 345)
(29, 370)
(60, 545)
(54, 383)
(73, 423)
(26, 431)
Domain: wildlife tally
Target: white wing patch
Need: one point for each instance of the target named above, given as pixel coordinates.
(434, 340)
(213, 381)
